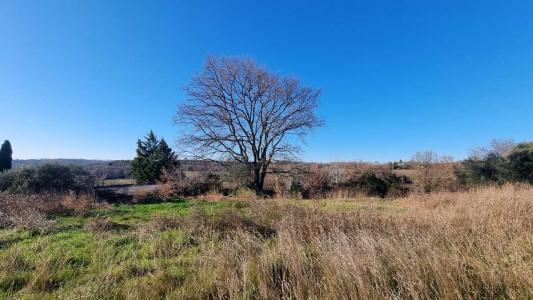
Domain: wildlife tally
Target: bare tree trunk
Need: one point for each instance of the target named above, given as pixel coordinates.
(258, 184)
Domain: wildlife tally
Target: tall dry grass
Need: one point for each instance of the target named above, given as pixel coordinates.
(468, 245)
(477, 244)
(33, 211)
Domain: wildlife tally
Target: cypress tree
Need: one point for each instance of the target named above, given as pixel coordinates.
(6, 158)
(153, 156)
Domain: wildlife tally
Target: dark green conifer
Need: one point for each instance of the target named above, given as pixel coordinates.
(6, 158)
(153, 156)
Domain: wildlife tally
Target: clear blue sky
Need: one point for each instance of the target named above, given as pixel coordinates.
(85, 79)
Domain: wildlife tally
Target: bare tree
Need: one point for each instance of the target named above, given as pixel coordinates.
(237, 109)
(425, 158)
(425, 161)
(336, 173)
(500, 147)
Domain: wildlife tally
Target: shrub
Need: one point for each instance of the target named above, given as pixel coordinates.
(296, 189)
(371, 185)
(176, 184)
(26, 212)
(47, 178)
(521, 162)
(397, 185)
(316, 184)
(33, 211)
(380, 185)
(492, 169)
(497, 168)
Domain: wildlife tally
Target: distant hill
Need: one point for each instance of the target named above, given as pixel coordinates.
(20, 163)
(103, 169)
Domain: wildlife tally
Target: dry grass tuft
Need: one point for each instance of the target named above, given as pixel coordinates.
(101, 225)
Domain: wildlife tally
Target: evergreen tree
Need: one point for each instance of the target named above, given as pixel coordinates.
(6, 156)
(166, 155)
(153, 156)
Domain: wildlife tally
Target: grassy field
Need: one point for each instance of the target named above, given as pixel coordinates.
(476, 244)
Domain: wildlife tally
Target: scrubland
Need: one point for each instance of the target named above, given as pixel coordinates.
(475, 244)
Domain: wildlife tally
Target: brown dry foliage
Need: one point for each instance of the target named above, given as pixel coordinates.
(32, 211)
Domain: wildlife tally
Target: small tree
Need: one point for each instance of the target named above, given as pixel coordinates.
(6, 158)
(425, 162)
(153, 155)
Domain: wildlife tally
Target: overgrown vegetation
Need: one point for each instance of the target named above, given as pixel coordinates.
(496, 167)
(47, 178)
(474, 244)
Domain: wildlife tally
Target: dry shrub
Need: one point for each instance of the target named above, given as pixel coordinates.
(33, 211)
(245, 193)
(176, 183)
(28, 211)
(145, 196)
(80, 205)
(477, 244)
(101, 225)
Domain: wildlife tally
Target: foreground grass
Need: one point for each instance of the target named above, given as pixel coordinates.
(450, 245)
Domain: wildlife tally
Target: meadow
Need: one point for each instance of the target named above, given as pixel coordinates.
(476, 244)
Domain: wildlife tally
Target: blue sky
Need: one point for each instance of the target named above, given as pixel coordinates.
(85, 79)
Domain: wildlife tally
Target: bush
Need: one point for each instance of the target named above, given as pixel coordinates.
(382, 185)
(316, 184)
(370, 184)
(495, 168)
(397, 186)
(492, 169)
(32, 211)
(47, 178)
(176, 184)
(521, 162)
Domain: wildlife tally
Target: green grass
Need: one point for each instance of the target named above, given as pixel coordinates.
(71, 259)
(73, 262)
